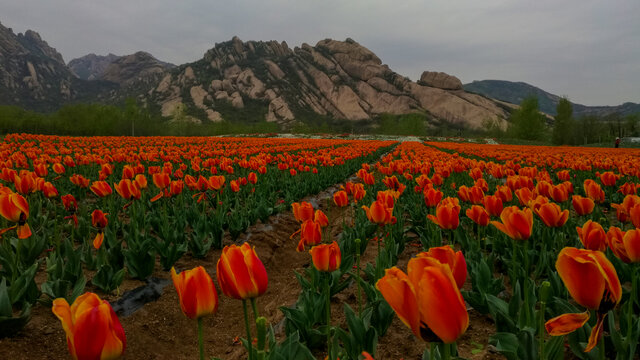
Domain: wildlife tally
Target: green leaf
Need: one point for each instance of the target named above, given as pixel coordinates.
(506, 343)
(5, 302)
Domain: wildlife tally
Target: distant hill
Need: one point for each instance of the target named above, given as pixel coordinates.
(515, 92)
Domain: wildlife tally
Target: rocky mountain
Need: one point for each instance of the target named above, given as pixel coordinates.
(119, 69)
(33, 75)
(236, 80)
(515, 92)
(92, 66)
(339, 79)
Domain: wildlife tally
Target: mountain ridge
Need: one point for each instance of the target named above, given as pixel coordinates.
(515, 91)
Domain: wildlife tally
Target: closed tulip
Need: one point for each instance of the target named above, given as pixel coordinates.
(552, 215)
(92, 328)
(340, 198)
(504, 192)
(379, 213)
(240, 272)
(310, 234)
(101, 188)
(582, 205)
(325, 257)
(302, 211)
(592, 236)
(631, 242)
(197, 294)
(593, 283)
(593, 191)
(447, 215)
(432, 197)
(493, 204)
(516, 223)
(446, 255)
(426, 298)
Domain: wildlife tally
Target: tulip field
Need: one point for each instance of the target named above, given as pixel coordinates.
(285, 248)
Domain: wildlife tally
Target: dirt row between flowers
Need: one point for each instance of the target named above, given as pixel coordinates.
(159, 330)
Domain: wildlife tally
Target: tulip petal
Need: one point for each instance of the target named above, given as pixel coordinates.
(596, 333)
(566, 323)
(442, 307)
(397, 290)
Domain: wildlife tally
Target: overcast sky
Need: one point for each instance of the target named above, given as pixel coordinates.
(588, 50)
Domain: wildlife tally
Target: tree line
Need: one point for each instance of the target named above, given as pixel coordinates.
(528, 123)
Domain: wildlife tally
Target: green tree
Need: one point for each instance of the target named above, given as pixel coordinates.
(527, 122)
(563, 127)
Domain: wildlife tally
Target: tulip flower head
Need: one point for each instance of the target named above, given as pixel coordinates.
(14, 208)
(240, 272)
(426, 298)
(447, 214)
(197, 294)
(516, 223)
(552, 215)
(92, 328)
(478, 215)
(99, 220)
(593, 283)
(592, 236)
(582, 205)
(326, 257)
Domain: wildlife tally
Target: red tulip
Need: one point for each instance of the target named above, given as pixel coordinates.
(15, 208)
(582, 205)
(478, 214)
(340, 198)
(241, 274)
(92, 328)
(592, 236)
(447, 214)
(325, 257)
(196, 292)
(552, 215)
(516, 223)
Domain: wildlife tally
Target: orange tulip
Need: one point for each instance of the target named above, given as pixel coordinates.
(302, 211)
(58, 168)
(235, 187)
(446, 255)
(127, 189)
(544, 188)
(101, 188)
(623, 210)
(176, 187)
(592, 236)
(71, 205)
(593, 283)
(325, 257)
(447, 215)
(215, 183)
(628, 188)
(15, 208)
(593, 191)
(92, 328)
(478, 214)
(48, 190)
(79, 180)
(310, 234)
(320, 218)
(358, 192)
(493, 204)
(99, 220)
(432, 196)
(141, 181)
(525, 195)
(379, 213)
(615, 240)
(252, 178)
(504, 192)
(608, 178)
(631, 241)
(516, 223)
(563, 175)
(25, 183)
(340, 198)
(560, 193)
(241, 274)
(197, 294)
(426, 298)
(161, 180)
(634, 215)
(552, 215)
(582, 205)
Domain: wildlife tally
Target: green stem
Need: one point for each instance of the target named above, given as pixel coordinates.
(525, 283)
(327, 290)
(432, 351)
(446, 352)
(632, 297)
(248, 326)
(601, 349)
(358, 295)
(541, 329)
(200, 338)
(255, 309)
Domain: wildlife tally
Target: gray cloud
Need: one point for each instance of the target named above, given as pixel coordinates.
(588, 50)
